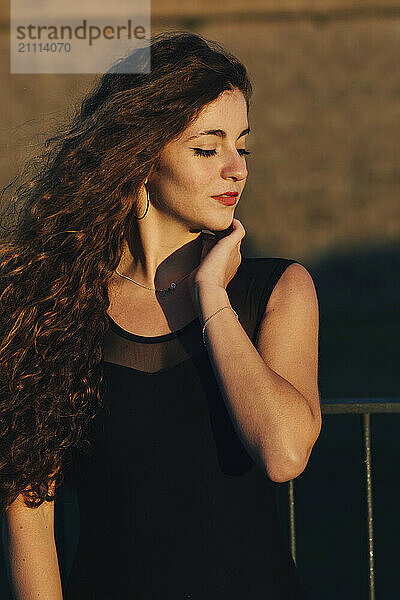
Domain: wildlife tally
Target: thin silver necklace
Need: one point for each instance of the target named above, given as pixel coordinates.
(169, 288)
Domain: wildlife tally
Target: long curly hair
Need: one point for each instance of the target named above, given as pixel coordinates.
(58, 258)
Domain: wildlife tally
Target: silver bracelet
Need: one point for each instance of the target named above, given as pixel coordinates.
(208, 318)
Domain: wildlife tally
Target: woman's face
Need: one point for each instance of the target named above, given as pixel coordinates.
(193, 168)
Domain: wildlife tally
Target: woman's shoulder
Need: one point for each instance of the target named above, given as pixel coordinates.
(264, 266)
(256, 276)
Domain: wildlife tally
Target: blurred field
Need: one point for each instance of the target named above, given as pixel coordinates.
(323, 188)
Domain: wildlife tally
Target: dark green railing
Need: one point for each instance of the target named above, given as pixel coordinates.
(364, 407)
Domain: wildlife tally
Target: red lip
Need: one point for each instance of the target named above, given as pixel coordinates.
(227, 200)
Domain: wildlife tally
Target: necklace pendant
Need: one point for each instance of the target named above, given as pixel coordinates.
(172, 286)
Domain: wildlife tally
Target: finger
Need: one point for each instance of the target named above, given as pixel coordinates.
(238, 228)
(237, 225)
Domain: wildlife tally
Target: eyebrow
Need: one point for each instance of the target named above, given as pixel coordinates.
(218, 132)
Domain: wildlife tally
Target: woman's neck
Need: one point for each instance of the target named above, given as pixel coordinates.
(159, 267)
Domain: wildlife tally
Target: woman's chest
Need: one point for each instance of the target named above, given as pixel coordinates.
(147, 313)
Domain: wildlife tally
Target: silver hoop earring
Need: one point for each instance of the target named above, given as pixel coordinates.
(147, 206)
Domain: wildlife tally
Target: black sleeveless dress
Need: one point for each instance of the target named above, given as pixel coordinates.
(172, 506)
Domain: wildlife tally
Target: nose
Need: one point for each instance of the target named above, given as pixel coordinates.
(234, 166)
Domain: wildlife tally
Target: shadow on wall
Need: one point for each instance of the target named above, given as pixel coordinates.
(359, 299)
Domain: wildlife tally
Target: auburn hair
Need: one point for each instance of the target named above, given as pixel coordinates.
(57, 258)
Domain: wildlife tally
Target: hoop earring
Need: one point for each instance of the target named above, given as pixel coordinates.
(148, 204)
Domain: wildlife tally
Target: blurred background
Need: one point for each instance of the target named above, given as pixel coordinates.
(323, 188)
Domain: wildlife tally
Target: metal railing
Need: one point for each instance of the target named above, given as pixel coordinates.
(364, 407)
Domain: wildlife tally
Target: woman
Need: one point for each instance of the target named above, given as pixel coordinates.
(162, 353)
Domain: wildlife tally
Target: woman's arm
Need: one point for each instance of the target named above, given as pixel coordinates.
(30, 551)
(270, 390)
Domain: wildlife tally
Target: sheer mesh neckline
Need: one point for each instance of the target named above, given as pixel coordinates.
(150, 339)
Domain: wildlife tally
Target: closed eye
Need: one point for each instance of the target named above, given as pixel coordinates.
(201, 152)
